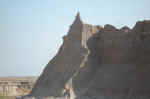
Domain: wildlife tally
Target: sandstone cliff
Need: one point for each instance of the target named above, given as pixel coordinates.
(96, 61)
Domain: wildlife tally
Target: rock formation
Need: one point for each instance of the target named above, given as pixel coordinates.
(118, 64)
(16, 86)
(101, 62)
(72, 54)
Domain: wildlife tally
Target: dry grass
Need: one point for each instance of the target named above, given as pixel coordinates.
(7, 97)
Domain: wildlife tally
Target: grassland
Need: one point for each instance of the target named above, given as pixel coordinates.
(7, 97)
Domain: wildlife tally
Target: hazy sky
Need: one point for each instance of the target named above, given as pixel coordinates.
(31, 30)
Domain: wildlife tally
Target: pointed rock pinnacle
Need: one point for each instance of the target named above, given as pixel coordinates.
(78, 19)
(78, 15)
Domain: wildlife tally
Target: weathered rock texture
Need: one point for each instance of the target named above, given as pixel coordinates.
(118, 64)
(72, 54)
(96, 61)
(16, 86)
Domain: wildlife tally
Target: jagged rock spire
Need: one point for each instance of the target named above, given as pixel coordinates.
(78, 19)
(78, 16)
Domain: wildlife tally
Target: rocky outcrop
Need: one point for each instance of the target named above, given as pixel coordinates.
(142, 26)
(118, 64)
(125, 29)
(16, 86)
(98, 62)
(109, 28)
(72, 54)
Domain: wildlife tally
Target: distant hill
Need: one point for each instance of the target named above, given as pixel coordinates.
(16, 86)
(30, 78)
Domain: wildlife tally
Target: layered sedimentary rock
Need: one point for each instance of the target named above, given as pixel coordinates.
(72, 54)
(16, 86)
(96, 61)
(118, 64)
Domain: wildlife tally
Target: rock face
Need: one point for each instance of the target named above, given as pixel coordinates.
(96, 61)
(118, 64)
(72, 54)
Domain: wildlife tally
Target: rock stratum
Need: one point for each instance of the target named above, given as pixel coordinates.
(16, 86)
(96, 61)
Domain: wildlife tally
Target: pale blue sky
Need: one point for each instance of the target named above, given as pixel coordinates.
(31, 30)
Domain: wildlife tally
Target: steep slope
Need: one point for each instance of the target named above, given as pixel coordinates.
(72, 54)
(99, 62)
(118, 65)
